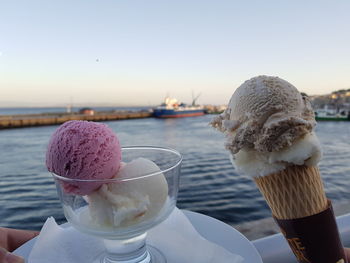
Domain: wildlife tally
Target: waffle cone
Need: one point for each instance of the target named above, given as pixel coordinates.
(294, 192)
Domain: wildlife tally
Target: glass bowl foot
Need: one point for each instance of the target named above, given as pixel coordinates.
(156, 255)
(151, 255)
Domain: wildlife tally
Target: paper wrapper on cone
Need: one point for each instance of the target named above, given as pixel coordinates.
(299, 205)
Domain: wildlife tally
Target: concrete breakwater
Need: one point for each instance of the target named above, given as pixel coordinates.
(19, 121)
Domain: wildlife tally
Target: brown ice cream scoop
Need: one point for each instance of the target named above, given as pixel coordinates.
(265, 114)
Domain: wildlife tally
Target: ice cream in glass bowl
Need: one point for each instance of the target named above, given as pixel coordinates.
(116, 194)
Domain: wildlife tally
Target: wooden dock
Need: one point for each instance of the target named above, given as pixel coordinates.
(21, 121)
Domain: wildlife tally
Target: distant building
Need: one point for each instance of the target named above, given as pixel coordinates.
(338, 100)
(87, 111)
(69, 108)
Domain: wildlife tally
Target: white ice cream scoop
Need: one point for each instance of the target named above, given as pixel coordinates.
(130, 201)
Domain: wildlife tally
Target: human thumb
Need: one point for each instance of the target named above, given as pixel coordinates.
(7, 257)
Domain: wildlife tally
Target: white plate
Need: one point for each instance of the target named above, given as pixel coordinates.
(224, 235)
(210, 228)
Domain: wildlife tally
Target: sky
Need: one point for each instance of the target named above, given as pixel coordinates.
(136, 52)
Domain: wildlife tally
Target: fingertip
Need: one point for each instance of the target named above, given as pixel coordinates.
(12, 258)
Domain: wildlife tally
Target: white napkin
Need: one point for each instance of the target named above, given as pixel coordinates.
(175, 237)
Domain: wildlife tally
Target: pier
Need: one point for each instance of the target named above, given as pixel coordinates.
(21, 121)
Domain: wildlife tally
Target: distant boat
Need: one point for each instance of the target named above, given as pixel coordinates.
(331, 115)
(87, 111)
(171, 108)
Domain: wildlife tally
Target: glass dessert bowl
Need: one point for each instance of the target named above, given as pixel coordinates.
(121, 210)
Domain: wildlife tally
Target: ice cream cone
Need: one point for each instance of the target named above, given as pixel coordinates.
(299, 205)
(269, 127)
(295, 192)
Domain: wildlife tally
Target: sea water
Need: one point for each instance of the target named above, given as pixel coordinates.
(209, 184)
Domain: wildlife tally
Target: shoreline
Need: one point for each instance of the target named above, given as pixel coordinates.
(45, 119)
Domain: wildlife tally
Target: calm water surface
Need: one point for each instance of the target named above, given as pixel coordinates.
(209, 183)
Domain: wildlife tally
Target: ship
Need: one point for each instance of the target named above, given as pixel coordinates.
(329, 114)
(320, 116)
(172, 108)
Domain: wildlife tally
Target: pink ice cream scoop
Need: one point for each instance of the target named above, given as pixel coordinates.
(83, 150)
